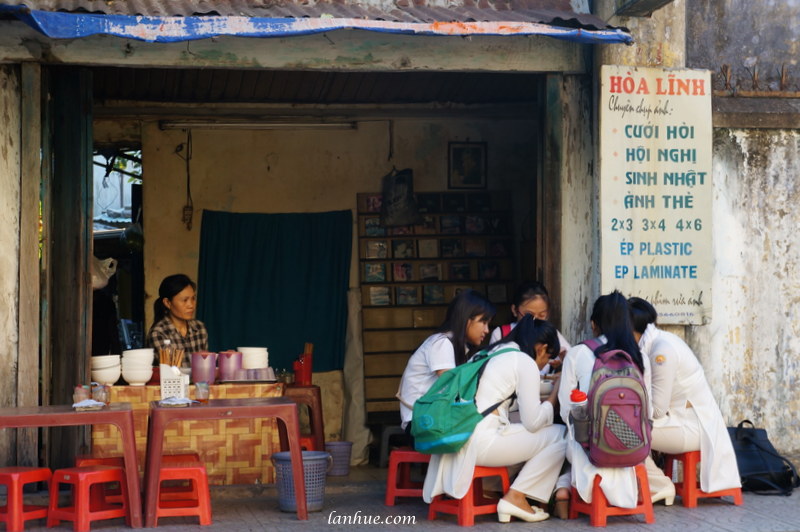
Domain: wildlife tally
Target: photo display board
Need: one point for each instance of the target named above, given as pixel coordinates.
(655, 189)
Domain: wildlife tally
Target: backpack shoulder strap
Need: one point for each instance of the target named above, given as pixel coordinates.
(592, 343)
(480, 374)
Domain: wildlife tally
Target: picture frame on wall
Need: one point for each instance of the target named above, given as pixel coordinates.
(466, 165)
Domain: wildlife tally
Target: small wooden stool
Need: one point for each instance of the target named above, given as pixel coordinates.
(16, 512)
(398, 480)
(688, 488)
(473, 503)
(598, 510)
(82, 513)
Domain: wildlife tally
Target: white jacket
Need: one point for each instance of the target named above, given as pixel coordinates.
(681, 394)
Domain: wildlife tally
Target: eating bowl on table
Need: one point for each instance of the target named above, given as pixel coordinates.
(107, 376)
(137, 377)
(105, 361)
(545, 386)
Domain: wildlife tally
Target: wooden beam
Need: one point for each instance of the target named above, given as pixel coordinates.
(29, 302)
(353, 50)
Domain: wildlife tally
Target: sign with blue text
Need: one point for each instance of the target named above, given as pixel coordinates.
(655, 188)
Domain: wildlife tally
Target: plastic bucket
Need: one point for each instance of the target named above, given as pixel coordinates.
(340, 452)
(315, 465)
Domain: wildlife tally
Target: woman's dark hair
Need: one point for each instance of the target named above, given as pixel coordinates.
(612, 315)
(530, 290)
(171, 286)
(465, 306)
(530, 331)
(642, 313)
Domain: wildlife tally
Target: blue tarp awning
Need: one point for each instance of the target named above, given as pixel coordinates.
(61, 25)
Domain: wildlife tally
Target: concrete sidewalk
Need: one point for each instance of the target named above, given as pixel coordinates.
(359, 497)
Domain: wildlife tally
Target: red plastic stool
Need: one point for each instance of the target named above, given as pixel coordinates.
(473, 503)
(598, 510)
(81, 512)
(398, 481)
(688, 488)
(16, 512)
(198, 500)
(308, 443)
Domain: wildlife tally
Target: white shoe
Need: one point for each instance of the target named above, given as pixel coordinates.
(667, 495)
(506, 510)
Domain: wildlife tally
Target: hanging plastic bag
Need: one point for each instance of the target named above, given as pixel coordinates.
(102, 270)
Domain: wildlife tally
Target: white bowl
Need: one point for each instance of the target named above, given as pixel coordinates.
(106, 376)
(139, 352)
(104, 361)
(105, 365)
(137, 377)
(545, 387)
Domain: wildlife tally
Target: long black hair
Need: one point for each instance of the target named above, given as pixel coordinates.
(642, 313)
(530, 331)
(530, 290)
(465, 306)
(612, 315)
(171, 286)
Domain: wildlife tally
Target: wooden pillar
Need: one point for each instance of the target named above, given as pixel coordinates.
(69, 300)
(548, 204)
(29, 303)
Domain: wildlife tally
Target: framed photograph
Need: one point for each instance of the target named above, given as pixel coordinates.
(452, 247)
(401, 230)
(488, 270)
(379, 295)
(475, 224)
(427, 226)
(402, 271)
(429, 203)
(402, 249)
(374, 202)
(474, 247)
(407, 295)
(373, 227)
(427, 248)
(466, 165)
(454, 203)
(479, 202)
(430, 271)
(499, 248)
(376, 249)
(460, 271)
(433, 294)
(374, 273)
(450, 225)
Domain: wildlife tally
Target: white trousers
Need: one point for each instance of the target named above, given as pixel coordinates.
(671, 439)
(541, 454)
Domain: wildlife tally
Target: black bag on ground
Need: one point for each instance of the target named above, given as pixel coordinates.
(762, 469)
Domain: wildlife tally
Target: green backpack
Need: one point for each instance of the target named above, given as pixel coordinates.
(445, 417)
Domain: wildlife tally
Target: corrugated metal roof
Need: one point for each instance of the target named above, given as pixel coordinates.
(204, 18)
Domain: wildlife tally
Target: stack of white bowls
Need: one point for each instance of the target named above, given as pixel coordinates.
(137, 366)
(254, 357)
(106, 369)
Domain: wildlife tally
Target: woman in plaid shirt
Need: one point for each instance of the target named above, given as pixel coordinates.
(174, 318)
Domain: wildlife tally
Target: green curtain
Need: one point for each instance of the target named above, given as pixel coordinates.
(276, 281)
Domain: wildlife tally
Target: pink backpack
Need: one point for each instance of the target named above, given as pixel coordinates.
(619, 433)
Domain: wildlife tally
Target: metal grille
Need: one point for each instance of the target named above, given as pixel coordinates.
(622, 430)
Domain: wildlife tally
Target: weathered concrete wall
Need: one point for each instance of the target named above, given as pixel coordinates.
(751, 349)
(580, 238)
(766, 41)
(9, 242)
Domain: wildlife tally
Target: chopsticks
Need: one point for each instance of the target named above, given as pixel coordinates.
(170, 356)
(309, 348)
